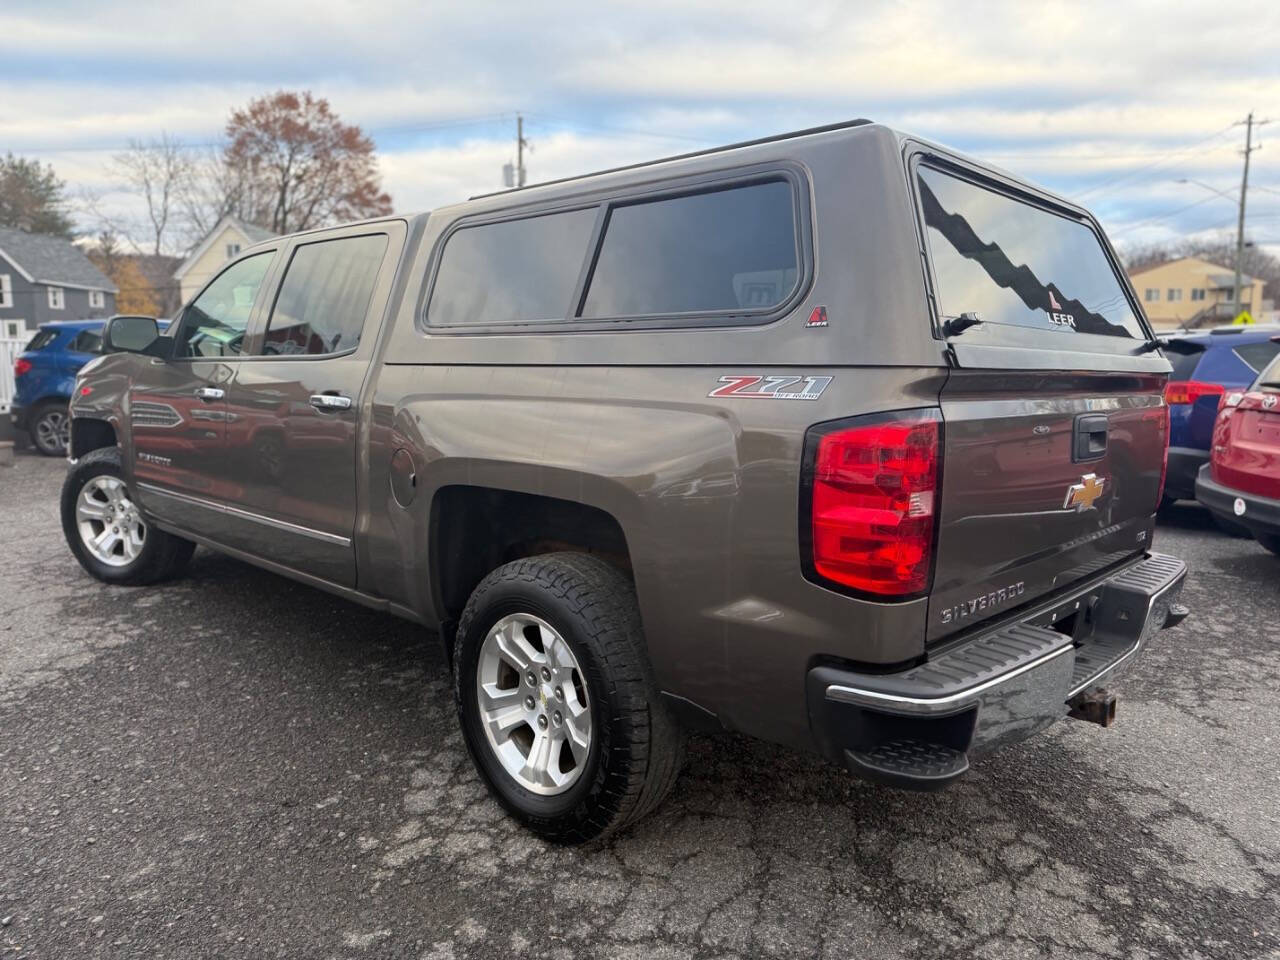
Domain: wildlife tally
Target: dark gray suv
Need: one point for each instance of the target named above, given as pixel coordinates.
(838, 439)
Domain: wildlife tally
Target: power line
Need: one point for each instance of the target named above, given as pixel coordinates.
(626, 131)
(1107, 185)
(1159, 217)
(419, 127)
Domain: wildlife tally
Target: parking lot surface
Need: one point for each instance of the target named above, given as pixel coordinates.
(234, 765)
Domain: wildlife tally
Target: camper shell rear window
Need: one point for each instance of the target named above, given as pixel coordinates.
(1015, 263)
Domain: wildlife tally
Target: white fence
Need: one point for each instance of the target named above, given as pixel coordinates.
(9, 350)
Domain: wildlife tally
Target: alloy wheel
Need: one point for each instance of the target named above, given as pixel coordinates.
(53, 431)
(533, 704)
(109, 523)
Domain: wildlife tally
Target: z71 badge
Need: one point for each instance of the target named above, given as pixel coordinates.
(750, 387)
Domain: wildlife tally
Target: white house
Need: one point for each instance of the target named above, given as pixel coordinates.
(227, 238)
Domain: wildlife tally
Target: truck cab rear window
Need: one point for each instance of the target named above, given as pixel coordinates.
(728, 251)
(1013, 263)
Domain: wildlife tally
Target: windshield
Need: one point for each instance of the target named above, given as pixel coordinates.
(1017, 264)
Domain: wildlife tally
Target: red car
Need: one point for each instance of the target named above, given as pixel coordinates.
(1241, 481)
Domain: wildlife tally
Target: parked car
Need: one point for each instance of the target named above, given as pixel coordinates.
(44, 374)
(1241, 481)
(1207, 365)
(695, 444)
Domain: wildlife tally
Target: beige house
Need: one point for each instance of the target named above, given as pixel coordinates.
(227, 238)
(1190, 292)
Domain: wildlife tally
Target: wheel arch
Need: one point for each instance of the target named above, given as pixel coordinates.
(476, 528)
(89, 434)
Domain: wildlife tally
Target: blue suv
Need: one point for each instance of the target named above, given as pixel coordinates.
(1206, 364)
(44, 376)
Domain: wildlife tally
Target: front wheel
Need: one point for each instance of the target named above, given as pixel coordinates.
(106, 530)
(556, 699)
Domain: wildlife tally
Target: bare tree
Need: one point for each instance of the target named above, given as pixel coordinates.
(157, 171)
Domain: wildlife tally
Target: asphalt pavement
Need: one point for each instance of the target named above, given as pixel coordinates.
(234, 765)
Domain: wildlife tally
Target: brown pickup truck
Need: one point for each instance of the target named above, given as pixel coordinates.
(838, 439)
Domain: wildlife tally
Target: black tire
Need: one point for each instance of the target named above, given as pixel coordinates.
(1271, 541)
(162, 556)
(50, 428)
(637, 748)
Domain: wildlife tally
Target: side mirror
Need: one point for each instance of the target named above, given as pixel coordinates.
(131, 335)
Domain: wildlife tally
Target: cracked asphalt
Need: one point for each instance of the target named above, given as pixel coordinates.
(235, 765)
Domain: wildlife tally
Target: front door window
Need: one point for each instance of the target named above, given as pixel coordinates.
(215, 322)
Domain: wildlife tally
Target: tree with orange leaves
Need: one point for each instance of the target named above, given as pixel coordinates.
(293, 165)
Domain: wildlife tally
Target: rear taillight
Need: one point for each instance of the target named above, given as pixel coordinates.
(20, 366)
(872, 486)
(1179, 392)
(1231, 399)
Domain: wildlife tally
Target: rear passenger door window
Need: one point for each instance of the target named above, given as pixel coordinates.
(512, 271)
(729, 251)
(324, 297)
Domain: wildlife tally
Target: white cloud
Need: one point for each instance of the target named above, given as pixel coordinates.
(1108, 101)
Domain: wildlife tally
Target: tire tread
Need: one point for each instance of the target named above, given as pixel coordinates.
(647, 743)
(166, 560)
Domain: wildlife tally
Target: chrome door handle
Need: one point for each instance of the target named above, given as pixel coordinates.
(210, 393)
(326, 402)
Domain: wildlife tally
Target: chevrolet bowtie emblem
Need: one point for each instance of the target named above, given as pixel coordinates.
(1084, 494)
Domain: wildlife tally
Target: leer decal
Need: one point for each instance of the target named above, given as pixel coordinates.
(751, 387)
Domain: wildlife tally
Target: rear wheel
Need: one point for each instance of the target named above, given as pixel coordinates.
(106, 530)
(51, 429)
(1271, 541)
(557, 703)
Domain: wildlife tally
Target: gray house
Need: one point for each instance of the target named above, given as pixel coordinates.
(47, 278)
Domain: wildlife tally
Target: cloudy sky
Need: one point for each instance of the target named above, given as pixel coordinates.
(1108, 103)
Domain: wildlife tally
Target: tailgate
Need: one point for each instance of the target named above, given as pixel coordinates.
(1054, 421)
(1045, 481)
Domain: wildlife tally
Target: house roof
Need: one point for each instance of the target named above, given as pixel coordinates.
(1227, 281)
(51, 260)
(254, 234)
(1220, 277)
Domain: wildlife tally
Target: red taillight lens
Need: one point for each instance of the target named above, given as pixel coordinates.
(20, 366)
(874, 496)
(1179, 392)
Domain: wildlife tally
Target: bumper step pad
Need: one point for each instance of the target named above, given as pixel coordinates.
(917, 728)
(926, 766)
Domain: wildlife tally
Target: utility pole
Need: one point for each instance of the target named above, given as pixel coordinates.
(1249, 124)
(521, 143)
(517, 175)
